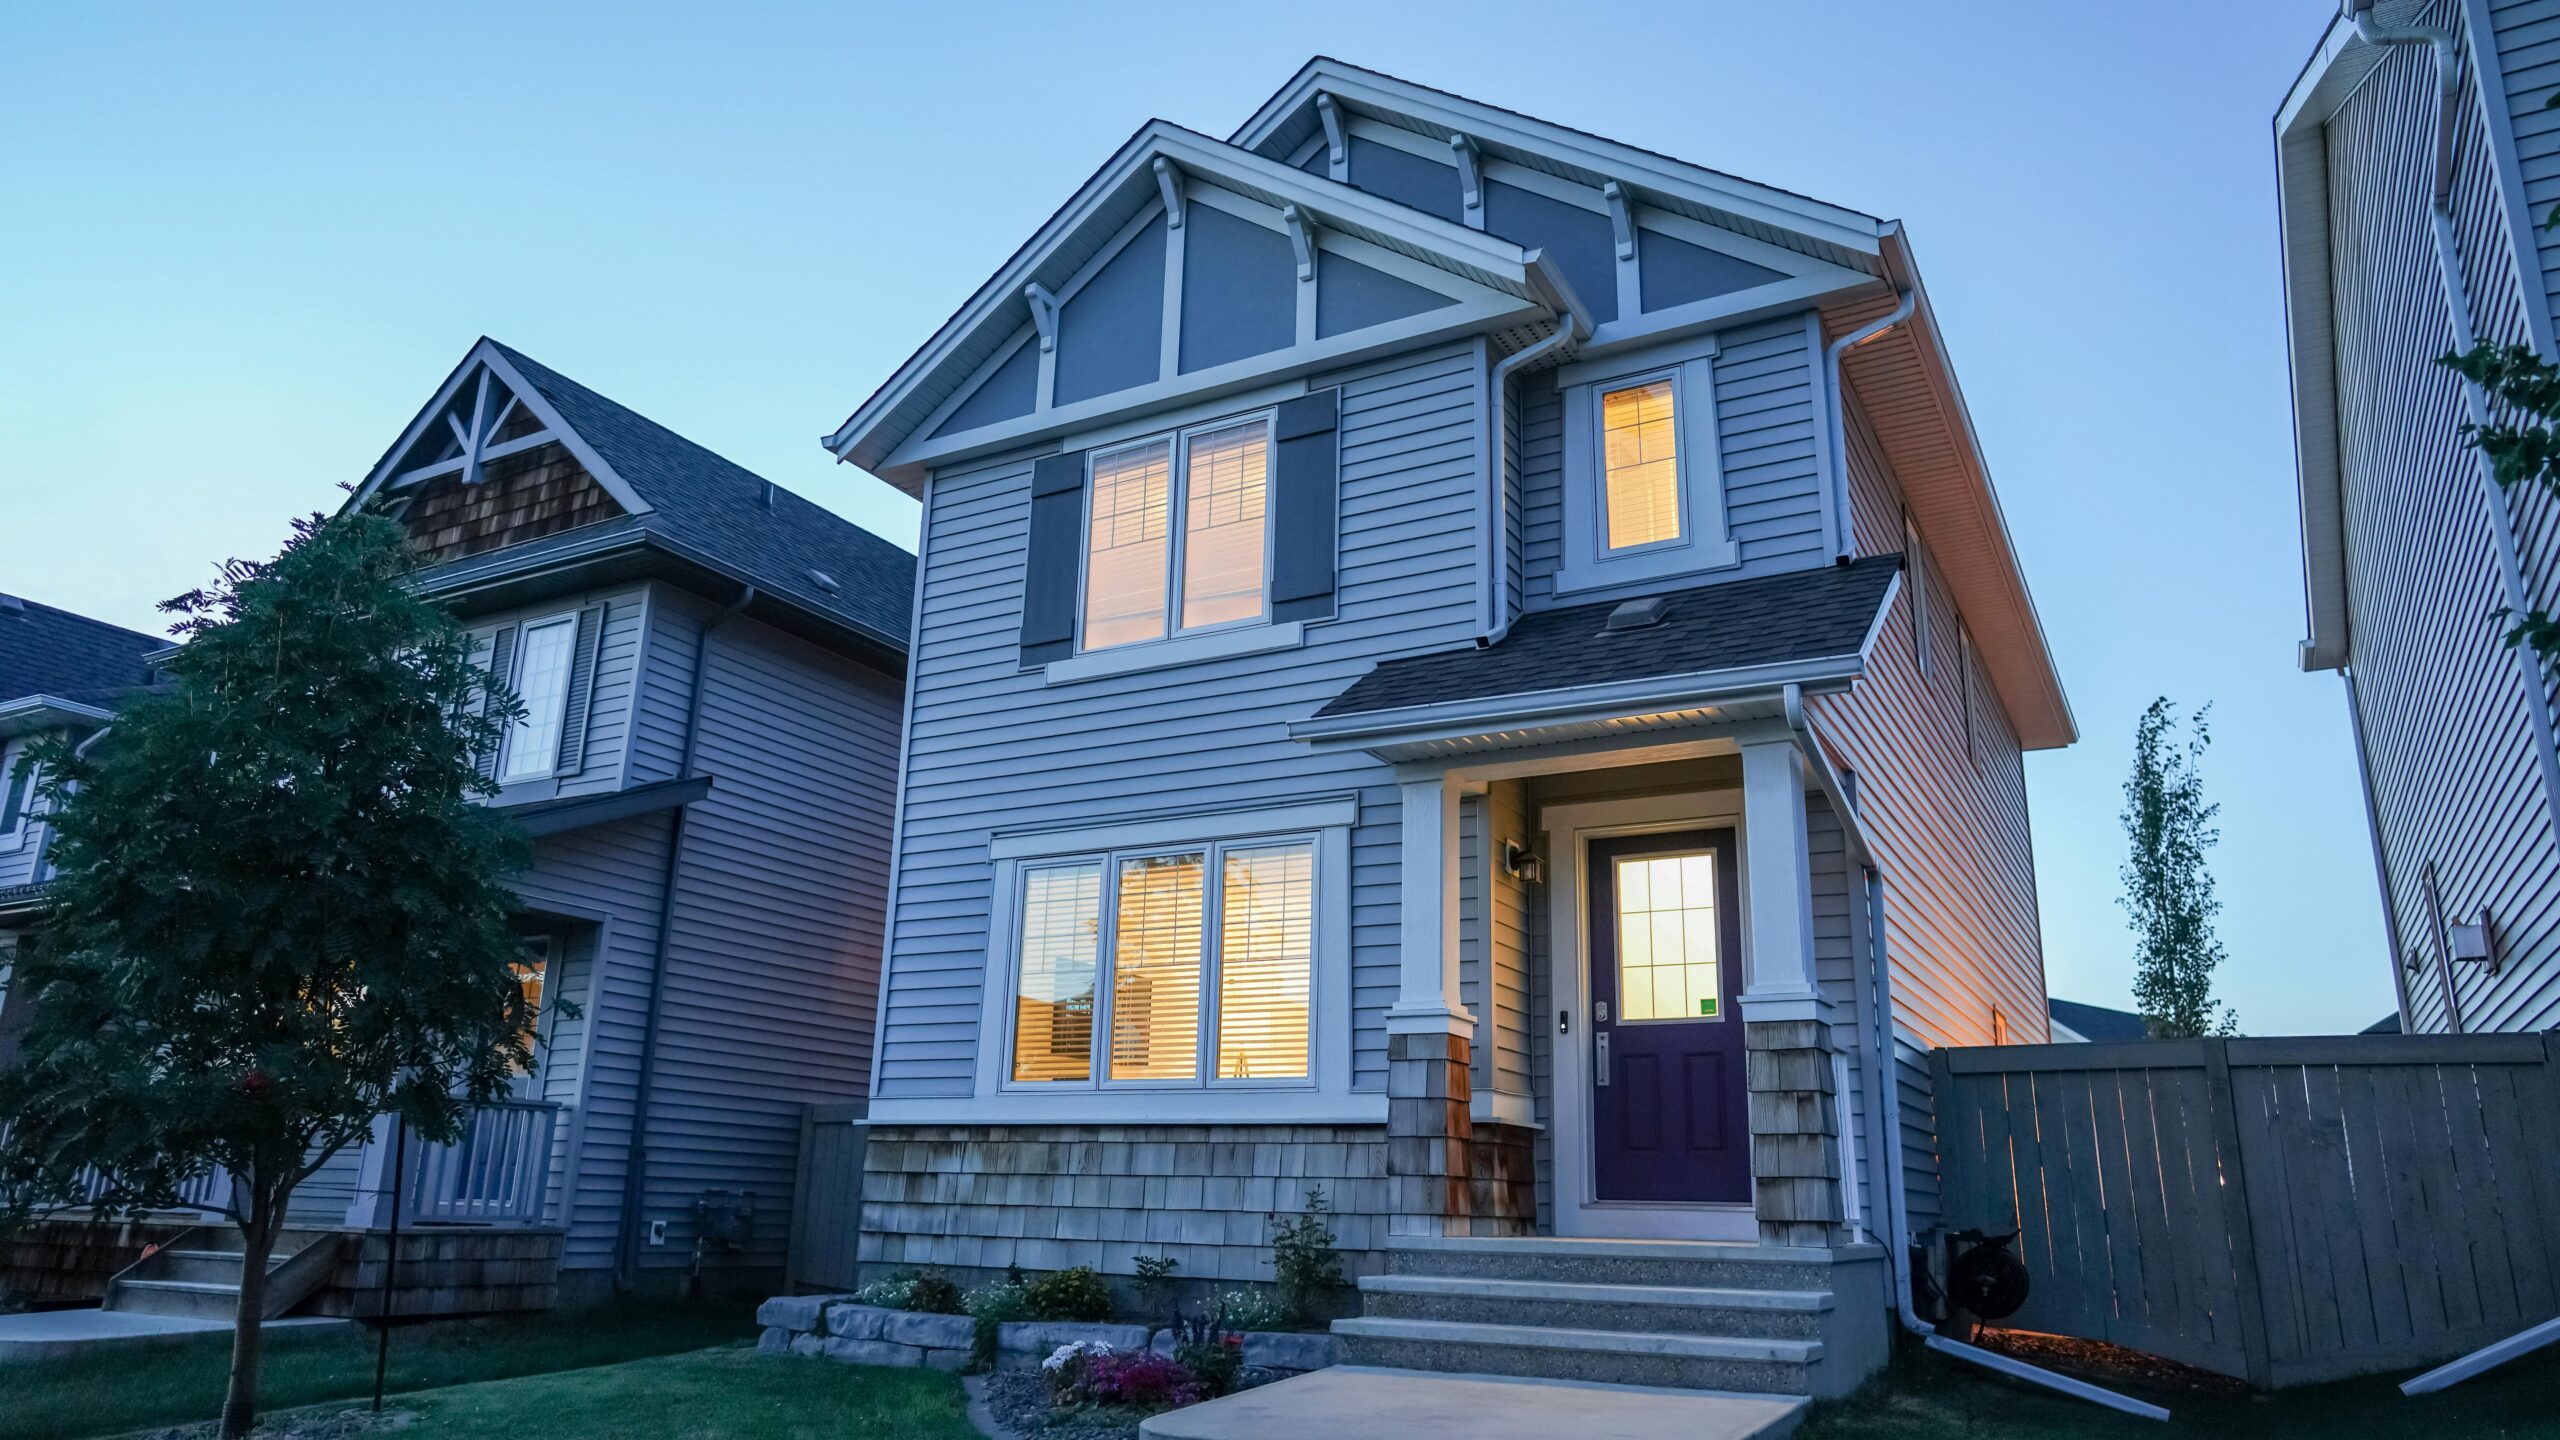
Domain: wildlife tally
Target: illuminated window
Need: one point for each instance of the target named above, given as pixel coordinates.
(1213, 940)
(1640, 464)
(1176, 534)
(541, 681)
(529, 974)
(1669, 964)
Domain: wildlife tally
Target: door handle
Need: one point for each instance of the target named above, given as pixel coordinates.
(1600, 1058)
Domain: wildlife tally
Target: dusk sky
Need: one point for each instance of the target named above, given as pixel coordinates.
(245, 243)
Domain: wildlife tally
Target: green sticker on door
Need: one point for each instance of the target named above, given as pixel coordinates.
(1707, 1006)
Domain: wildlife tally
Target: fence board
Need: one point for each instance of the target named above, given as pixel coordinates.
(2287, 1210)
(826, 1214)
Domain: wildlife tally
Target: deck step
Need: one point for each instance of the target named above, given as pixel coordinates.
(1565, 1305)
(198, 1276)
(1765, 1365)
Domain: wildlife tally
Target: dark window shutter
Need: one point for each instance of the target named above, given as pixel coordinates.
(502, 654)
(13, 790)
(1053, 559)
(1304, 506)
(582, 685)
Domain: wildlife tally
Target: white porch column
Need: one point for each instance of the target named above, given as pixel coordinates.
(1779, 984)
(1427, 993)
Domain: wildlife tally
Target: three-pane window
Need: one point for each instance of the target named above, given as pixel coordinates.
(543, 656)
(1167, 967)
(1640, 464)
(1177, 534)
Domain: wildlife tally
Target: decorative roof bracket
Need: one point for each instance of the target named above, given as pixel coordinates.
(1622, 218)
(1044, 314)
(1337, 147)
(1302, 239)
(1470, 178)
(1169, 180)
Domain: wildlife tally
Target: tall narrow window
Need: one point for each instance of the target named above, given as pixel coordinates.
(529, 974)
(1668, 965)
(543, 653)
(1223, 524)
(1053, 999)
(1155, 970)
(17, 791)
(1266, 962)
(1125, 548)
(1641, 464)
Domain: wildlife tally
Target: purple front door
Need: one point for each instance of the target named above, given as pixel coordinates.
(1669, 1118)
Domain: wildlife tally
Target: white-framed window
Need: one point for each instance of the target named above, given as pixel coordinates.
(1644, 471)
(1167, 966)
(545, 652)
(1177, 534)
(18, 776)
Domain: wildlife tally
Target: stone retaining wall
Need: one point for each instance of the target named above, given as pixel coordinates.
(836, 1327)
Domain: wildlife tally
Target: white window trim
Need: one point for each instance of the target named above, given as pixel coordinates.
(1177, 509)
(1324, 1094)
(515, 662)
(13, 753)
(1706, 542)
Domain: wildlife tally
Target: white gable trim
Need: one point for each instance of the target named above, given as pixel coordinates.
(484, 355)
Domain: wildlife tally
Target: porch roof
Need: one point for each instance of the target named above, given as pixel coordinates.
(1777, 621)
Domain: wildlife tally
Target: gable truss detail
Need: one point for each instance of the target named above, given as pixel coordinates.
(485, 412)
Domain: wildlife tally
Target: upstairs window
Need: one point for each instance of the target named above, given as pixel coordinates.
(1177, 534)
(1643, 492)
(1640, 462)
(545, 652)
(17, 792)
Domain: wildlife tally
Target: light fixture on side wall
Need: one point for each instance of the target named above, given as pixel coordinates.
(1522, 863)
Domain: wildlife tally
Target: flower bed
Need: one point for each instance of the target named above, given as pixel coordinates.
(841, 1328)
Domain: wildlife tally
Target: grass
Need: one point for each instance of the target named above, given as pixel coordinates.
(726, 1394)
(108, 1393)
(1924, 1396)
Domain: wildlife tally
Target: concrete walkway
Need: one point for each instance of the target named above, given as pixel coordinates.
(1354, 1402)
(50, 1334)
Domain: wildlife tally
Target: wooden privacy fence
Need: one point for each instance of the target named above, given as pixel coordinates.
(2289, 1211)
(826, 1204)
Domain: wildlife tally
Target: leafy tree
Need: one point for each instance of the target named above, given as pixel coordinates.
(2167, 889)
(279, 914)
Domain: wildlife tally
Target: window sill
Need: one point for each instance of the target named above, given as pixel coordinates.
(1180, 650)
(1699, 558)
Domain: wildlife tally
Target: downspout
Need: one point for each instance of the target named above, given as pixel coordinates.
(635, 1173)
(1888, 1117)
(2457, 301)
(1835, 417)
(1494, 603)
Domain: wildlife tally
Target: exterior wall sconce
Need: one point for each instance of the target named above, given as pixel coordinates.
(1522, 863)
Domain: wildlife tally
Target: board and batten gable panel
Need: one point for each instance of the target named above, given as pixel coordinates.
(992, 746)
(1944, 812)
(773, 960)
(1767, 412)
(2447, 728)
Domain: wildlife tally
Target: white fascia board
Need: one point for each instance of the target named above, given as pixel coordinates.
(1527, 710)
(870, 436)
(381, 472)
(1499, 131)
(30, 713)
(2302, 190)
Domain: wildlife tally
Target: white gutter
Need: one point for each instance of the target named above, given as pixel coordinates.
(1844, 539)
(1888, 1116)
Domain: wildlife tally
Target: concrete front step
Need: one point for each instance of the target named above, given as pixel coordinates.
(219, 1267)
(1658, 1309)
(1707, 1264)
(1612, 1357)
(192, 1299)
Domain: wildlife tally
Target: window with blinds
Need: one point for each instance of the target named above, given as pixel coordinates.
(1214, 944)
(1640, 459)
(541, 681)
(1177, 534)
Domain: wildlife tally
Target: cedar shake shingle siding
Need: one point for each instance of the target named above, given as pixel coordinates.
(522, 497)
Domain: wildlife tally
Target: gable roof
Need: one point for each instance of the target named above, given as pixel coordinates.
(682, 498)
(1120, 191)
(2097, 1023)
(63, 656)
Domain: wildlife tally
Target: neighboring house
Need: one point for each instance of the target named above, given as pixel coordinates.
(2415, 166)
(1408, 595)
(2076, 1024)
(60, 675)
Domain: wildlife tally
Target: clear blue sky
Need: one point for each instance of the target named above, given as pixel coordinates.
(243, 243)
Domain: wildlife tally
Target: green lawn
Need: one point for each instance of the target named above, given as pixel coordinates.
(727, 1394)
(1927, 1397)
(110, 1393)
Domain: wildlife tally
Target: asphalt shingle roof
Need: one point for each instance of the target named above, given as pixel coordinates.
(45, 651)
(710, 504)
(1803, 615)
(2097, 1022)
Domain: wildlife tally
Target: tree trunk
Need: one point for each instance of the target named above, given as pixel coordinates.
(248, 1325)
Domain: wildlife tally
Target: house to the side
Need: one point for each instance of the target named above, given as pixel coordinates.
(1470, 665)
(2417, 161)
(712, 670)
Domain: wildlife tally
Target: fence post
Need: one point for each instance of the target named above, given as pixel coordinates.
(2235, 1214)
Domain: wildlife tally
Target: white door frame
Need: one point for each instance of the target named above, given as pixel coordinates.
(1569, 828)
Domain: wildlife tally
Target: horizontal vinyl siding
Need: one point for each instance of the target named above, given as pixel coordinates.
(1767, 412)
(992, 747)
(1945, 816)
(2447, 728)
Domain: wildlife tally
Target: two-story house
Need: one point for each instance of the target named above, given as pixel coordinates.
(2417, 161)
(712, 673)
(1473, 666)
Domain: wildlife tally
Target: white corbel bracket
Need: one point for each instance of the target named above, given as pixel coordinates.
(1470, 178)
(1622, 218)
(1044, 314)
(1302, 240)
(1337, 148)
(1169, 180)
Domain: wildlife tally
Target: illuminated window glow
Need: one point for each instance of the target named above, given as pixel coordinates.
(1669, 967)
(1176, 534)
(1640, 464)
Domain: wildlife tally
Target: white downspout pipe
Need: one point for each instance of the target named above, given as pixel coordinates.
(1887, 1114)
(1493, 611)
(1844, 544)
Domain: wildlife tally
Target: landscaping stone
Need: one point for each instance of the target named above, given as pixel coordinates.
(931, 1332)
(795, 1312)
(1039, 1337)
(871, 1352)
(858, 1322)
(808, 1344)
(1279, 1350)
(774, 1341)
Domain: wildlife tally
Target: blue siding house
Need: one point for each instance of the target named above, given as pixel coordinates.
(1475, 667)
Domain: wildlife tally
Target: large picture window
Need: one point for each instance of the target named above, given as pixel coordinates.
(1193, 965)
(1177, 534)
